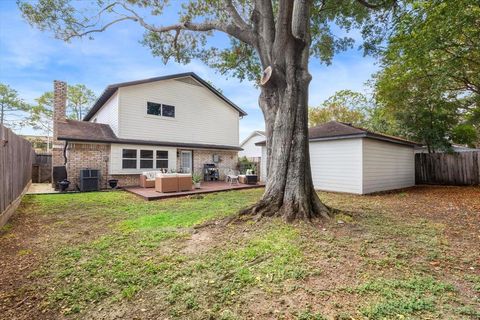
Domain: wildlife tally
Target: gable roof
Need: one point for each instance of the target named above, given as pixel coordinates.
(256, 132)
(334, 130)
(111, 89)
(84, 131)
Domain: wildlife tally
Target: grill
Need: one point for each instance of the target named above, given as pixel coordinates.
(210, 172)
(89, 179)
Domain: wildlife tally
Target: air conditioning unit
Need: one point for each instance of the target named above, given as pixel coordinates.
(89, 179)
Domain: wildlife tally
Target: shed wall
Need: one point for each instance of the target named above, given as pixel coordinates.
(337, 165)
(387, 166)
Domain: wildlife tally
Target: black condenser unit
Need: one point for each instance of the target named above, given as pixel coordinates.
(89, 179)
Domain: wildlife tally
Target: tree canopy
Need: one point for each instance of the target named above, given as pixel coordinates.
(79, 101)
(11, 105)
(344, 106)
(430, 77)
(40, 114)
(250, 33)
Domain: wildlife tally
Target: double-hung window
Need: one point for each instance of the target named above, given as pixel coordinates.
(129, 158)
(158, 109)
(146, 159)
(162, 159)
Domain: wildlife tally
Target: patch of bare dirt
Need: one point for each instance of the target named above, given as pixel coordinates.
(199, 242)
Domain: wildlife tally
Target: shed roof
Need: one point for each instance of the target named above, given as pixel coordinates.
(111, 89)
(335, 130)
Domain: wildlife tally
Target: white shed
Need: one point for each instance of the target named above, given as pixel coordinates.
(348, 159)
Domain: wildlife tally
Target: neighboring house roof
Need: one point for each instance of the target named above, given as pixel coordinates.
(111, 89)
(254, 133)
(455, 148)
(334, 130)
(83, 131)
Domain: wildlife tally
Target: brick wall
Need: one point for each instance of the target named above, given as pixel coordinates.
(228, 160)
(91, 156)
(94, 156)
(127, 180)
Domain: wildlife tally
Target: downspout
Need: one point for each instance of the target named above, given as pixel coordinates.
(65, 153)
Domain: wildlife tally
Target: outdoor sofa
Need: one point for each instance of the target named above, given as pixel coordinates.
(173, 182)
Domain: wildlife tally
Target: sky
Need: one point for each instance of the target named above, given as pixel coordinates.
(31, 59)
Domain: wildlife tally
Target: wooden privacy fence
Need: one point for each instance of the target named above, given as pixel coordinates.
(42, 168)
(16, 156)
(460, 168)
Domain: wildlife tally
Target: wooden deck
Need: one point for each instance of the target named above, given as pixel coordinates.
(207, 187)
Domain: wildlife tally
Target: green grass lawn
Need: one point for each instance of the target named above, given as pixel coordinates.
(109, 254)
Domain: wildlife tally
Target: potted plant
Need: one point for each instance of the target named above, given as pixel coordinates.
(196, 180)
(113, 183)
(64, 185)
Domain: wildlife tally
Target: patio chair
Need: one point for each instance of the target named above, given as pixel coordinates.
(147, 179)
(232, 177)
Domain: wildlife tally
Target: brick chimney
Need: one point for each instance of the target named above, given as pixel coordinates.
(59, 105)
(59, 115)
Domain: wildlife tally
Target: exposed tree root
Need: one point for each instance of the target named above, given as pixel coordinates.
(308, 211)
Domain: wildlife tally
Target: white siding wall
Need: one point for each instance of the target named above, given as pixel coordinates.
(109, 113)
(263, 165)
(250, 149)
(337, 165)
(200, 116)
(115, 164)
(387, 166)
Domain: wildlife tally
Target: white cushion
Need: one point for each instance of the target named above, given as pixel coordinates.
(150, 175)
(167, 175)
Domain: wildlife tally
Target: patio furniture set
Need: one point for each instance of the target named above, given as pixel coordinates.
(166, 182)
(177, 182)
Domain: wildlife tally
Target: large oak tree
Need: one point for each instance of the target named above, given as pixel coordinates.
(280, 34)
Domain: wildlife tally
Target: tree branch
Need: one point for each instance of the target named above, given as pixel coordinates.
(209, 25)
(237, 19)
(299, 21)
(105, 27)
(264, 29)
(371, 5)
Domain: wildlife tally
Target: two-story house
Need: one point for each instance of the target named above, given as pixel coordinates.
(177, 122)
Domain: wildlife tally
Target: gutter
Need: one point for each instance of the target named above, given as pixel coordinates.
(153, 143)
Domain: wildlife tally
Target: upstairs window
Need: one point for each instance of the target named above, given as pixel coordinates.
(162, 159)
(129, 158)
(168, 111)
(146, 159)
(163, 110)
(154, 108)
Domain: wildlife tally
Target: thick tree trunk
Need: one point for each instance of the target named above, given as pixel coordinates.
(289, 190)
